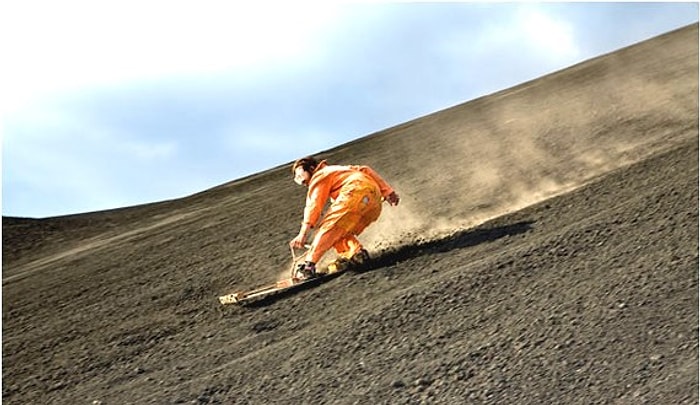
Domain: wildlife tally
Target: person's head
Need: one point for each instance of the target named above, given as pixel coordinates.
(303, 169)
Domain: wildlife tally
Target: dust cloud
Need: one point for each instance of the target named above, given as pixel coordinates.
(521, 147)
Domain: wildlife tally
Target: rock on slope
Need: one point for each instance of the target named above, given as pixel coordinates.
(546, 251)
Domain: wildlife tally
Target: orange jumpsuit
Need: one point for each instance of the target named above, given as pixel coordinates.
(356, 194)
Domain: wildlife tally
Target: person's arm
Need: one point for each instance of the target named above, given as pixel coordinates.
(385, 189)
(299, 241)
(315, 201)
(316, 198)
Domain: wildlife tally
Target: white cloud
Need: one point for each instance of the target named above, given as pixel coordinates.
(530, 29)
(549, 35)
(57, 154)
(115, 103)
(60, 172)
(516, 44)
(53, 46)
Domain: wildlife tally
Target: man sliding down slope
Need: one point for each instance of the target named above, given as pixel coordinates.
(356, 194)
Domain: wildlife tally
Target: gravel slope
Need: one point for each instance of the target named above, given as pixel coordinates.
(545, 251)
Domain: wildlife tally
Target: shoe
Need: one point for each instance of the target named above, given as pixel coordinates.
(360, 258)
(338, 264)
(305, 271)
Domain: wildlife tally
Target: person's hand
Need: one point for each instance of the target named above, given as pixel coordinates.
(393, 199)
(298, 242)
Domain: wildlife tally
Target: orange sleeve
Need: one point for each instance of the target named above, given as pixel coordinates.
(316, 198)
(384, 187)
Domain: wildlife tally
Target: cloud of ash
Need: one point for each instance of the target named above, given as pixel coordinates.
(508, 151)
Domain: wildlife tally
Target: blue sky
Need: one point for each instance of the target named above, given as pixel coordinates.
(117, 103)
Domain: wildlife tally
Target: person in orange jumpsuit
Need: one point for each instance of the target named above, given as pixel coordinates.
(356, 194)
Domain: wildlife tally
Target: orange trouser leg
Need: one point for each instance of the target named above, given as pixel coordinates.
(325, 239)
(344, 221)
(345, 244)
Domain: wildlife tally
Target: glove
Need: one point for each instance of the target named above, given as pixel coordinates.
(393, 199)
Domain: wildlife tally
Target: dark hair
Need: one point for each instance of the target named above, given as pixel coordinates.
(308, 163)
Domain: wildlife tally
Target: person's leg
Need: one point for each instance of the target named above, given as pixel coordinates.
(346, 218)
(368, 216)
(347, 246)
(325, 238)
(369, 210)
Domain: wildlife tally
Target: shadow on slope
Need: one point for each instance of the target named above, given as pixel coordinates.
(391, 256)
(458, 240)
